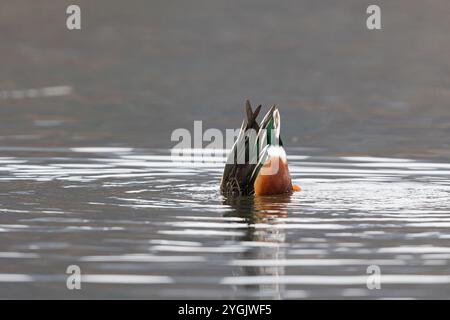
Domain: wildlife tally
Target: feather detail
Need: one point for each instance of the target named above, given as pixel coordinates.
(250, 151)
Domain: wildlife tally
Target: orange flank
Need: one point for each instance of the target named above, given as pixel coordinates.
(269, 174)
(274, 178)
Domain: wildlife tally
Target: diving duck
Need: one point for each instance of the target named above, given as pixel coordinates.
(257, 164)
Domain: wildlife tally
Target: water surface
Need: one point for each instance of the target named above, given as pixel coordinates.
(142, 226)
(86, 176)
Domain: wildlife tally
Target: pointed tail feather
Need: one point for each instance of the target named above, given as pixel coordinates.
(239, 176)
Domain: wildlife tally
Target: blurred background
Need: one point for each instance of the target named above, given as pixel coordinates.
(139, 69)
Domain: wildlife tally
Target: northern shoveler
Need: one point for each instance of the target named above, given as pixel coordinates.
(257, 163)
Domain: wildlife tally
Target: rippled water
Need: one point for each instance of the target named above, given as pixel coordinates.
(142, 226)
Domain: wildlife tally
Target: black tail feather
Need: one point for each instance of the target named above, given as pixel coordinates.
(251, 116)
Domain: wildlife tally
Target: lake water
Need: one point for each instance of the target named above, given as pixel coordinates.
(142, 226)
(86, 177)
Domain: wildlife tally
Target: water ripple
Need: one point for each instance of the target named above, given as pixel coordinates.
(133, 216)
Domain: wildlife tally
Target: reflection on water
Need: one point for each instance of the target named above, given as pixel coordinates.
(261, 211)
(142, 226)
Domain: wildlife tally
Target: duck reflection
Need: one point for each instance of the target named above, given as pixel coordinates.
(264, 238)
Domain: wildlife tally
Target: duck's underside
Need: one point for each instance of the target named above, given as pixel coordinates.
(257, 162)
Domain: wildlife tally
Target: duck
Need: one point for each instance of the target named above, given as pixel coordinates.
(257, 163)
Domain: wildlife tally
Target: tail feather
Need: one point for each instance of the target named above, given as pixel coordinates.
(239, 177)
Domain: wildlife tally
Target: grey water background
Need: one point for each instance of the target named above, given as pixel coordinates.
(86, 176)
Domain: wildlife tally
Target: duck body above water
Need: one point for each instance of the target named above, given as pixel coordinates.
(257, 164)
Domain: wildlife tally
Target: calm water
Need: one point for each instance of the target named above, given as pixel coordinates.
(86, 178)
(142, 226)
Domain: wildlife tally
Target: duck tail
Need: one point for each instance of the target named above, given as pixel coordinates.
(240, 163)
(250, 151)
